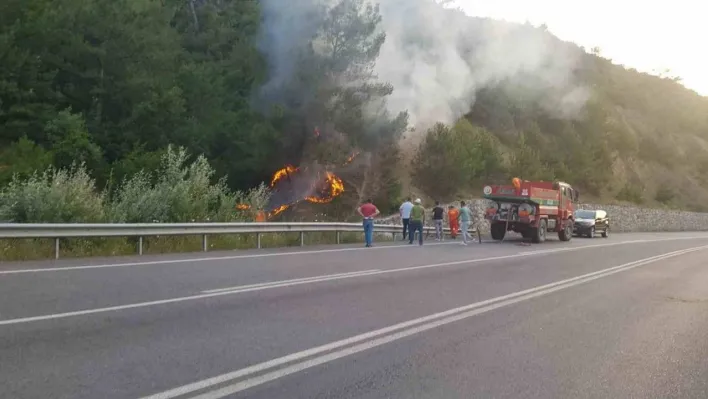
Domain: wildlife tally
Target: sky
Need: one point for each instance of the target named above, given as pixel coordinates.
(645, 35)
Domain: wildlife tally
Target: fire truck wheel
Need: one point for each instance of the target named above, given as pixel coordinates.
(498, 231)
(567, 233)
(539, 233)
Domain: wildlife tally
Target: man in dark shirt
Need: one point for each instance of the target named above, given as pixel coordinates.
(438, 213)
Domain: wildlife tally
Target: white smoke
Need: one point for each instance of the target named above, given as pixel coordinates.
(437, 59)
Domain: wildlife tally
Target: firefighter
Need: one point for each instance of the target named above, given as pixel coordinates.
(260, 216)
(452, 214)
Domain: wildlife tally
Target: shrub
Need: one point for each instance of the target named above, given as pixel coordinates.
(182, 193)
(664, 195)
(54, 196)
(632, 193)
(177, 192)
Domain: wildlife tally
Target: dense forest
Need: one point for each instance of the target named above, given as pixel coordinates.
(99, 94)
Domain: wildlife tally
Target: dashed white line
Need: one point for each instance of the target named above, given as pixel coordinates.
(295, 281)
(274, 284)
(385, 335)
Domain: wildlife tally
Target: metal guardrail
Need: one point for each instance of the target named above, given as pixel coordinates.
(140, 230)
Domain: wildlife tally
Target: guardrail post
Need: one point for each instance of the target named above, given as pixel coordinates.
(56, 248)
(258, 240)
(204, 243)
(302, 238)
(338, 237)
(140, 245)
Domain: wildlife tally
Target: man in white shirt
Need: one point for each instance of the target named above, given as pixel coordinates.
(405, 211)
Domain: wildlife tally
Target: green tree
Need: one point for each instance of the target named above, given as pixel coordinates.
(452, 160)
(71, 142)
(21, 159)
(526, 164)
(435, 167)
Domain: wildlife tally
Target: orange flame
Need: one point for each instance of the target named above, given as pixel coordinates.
(351, 157)
(277, 211)
(279, 174)
(329, 188)
(335, 187)
(242, 207)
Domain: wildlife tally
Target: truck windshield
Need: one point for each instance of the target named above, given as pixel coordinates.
(585, 214)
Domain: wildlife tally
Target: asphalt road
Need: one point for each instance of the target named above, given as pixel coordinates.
(621, 317)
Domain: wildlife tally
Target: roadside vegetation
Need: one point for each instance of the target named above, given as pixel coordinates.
(122, 111)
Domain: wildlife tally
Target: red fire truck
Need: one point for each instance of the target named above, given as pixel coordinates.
(532, 208)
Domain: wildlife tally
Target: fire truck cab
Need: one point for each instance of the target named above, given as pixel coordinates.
(531, 208)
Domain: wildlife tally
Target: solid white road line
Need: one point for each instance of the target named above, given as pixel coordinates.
(388, 334)
(213, 258)
(237, 290)
(322, 251)
(263, 286)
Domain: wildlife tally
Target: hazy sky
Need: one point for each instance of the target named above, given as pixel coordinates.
(646, 35)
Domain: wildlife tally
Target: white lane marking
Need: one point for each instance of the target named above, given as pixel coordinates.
(548, 251)
(162, 262)
(554, 250)
(375, 338)
(321, 251)
(325, 277)
(256, 287)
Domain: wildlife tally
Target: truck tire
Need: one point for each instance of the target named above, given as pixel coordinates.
(539, 233)
(498, 231)
(567, 233)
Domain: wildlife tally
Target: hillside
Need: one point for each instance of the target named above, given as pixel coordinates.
(111, 84)
(646, 137)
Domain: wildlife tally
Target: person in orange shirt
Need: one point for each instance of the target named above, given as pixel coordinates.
(452, 214)
(260, 216)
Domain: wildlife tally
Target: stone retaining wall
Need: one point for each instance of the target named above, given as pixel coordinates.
(623, 218)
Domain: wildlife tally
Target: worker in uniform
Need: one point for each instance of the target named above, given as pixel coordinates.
(452, 215)
(260, 216)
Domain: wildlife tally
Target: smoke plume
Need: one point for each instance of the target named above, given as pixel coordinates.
(437, 58)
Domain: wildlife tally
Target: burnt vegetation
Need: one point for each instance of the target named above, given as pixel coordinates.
(98, 90)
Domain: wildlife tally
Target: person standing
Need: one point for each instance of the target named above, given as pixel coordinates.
(260, 216)
(465, 217)
(452, 214)
(405, 211)
(416, 223)
(438, 213)
(368, 211)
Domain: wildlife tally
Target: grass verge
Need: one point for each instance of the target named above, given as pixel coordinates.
(34, 249)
